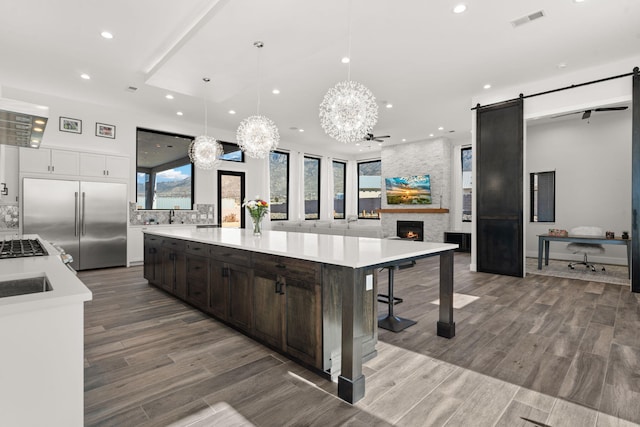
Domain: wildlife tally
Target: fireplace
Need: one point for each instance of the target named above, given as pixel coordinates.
(410, 230)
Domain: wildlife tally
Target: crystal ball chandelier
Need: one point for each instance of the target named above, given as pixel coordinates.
(348, 112)
(257, 136)
(205, 152)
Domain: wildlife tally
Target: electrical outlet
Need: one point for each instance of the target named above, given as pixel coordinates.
(368, 282)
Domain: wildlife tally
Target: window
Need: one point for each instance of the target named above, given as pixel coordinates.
(230, 197)
(231, 152)
(164, 174)
(339, 185)
(466, 155)
(311, 188)
(369, 189)
(279, 185)
(543, 196)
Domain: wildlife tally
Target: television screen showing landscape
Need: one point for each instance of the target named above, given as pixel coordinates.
(409, 190)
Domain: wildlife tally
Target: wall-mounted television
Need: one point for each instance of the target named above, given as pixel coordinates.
(409, 190)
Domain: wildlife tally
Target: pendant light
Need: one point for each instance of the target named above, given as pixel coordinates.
(257, 135)
(349, 110)
(205, 151)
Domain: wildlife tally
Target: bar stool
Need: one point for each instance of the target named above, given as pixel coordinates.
(392, 322)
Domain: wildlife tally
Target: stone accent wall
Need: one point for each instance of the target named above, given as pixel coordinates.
(9, 217)
(202, 214)
(433, 158)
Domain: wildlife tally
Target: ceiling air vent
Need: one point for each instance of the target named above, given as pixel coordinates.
(528, 18)
(132, 89)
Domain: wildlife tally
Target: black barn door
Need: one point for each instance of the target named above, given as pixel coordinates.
(499, 163)
(635, 183)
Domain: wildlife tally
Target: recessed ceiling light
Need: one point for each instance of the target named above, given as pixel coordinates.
(275, 91)
(578, 1)
(389, 105)
(404, 139)
(357, 143)
(430, 134)
(300, 130)
(460, 8)
(562, 65)
(440, 128)
(106, 35)
(179, 113)
(345, 60)
(85, 76)
(487, 86)
(380, 144)
(37, 129)
(232, 112)
(169, 96)
(39, 122)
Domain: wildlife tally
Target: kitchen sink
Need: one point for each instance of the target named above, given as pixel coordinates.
(23, 286)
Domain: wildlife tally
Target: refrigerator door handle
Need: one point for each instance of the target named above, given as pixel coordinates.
(76, 223)
(82, 217)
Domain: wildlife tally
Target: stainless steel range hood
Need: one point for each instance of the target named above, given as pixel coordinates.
(21, 123)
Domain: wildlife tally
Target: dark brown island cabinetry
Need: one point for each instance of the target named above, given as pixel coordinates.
(289, 304)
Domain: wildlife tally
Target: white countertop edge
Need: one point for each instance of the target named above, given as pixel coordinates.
(359, 252)
(67, 288)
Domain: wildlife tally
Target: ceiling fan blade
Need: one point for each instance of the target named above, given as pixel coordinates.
(611, 108)
(566, 114)
(586, 114)
(384, 136)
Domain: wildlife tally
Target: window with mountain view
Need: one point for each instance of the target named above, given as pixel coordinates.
(311, 188)
(369, 189)
(164, 174)
(339, 185)
(279, 185)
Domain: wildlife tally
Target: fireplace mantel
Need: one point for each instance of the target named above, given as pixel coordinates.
(416, 211)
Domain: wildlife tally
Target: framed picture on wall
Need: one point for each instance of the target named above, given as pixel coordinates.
(105, 131)
(70, 125)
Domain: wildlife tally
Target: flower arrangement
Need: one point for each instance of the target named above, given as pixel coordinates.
(257, 208)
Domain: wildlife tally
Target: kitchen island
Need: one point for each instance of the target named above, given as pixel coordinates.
(310, 296)
(42, 356)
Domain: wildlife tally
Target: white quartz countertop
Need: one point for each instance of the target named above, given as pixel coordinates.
(347, 251)
(67, 288)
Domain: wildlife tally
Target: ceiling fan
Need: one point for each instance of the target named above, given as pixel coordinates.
(587, 113)
(372, 137)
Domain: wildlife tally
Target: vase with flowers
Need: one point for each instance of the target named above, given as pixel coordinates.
(257, 208)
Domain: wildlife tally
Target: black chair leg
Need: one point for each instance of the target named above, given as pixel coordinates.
(392, 322)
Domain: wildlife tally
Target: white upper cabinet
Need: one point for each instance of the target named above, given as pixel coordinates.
(49, 161)
(104, 166)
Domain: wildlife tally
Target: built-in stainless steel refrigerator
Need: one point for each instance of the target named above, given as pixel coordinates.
(86, 219)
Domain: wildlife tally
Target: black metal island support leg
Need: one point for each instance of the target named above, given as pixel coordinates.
(351, 380)
(446, 325)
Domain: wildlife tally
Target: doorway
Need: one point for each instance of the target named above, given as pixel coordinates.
(230, 197)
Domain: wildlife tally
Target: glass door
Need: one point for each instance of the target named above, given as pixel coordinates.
(230, 198)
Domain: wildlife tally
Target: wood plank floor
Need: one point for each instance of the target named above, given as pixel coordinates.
(556, 352)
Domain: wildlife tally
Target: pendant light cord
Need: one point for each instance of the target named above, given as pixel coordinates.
(349, 40)
(259, 46)
(204, 100)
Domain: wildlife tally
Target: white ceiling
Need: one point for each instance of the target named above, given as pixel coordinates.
(415, 54)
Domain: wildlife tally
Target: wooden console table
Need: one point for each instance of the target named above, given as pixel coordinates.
(544, 239)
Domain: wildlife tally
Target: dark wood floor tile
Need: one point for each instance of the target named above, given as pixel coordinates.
(134, 416)
(624, 367)
(620, 402)
(578, 316)
(485, 405)
(185, 415)
(585, 379)
(566, 341)
(547, 324)
(566, 413)
(548, 373)
(626, 332)
(597, 339)
(611, 295)
(604, 315)
(523, 357)
(208, 385)
(595, 288)
(114, 372)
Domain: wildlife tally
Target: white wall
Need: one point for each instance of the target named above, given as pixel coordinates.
(592, 160)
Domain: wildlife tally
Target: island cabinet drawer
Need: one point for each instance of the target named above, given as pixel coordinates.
(230, 255)
(197, 267)
(178, 245)
(288, 267)
(197, 248)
